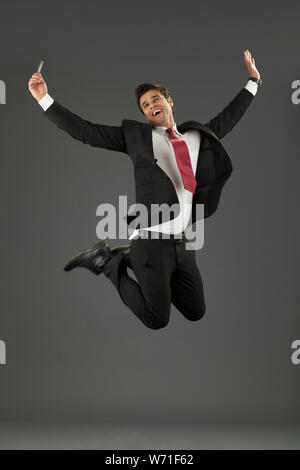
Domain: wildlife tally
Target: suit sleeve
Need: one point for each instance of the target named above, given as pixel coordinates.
(96, 135)
(225, 121)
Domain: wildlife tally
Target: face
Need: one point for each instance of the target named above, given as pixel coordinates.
(152, 101)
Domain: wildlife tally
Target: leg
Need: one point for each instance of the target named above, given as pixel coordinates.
(187, 292)
(126, 252)
(152, 262)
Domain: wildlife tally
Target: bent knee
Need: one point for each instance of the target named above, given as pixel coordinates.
(158, 324)
(197, 315)
(157, 318)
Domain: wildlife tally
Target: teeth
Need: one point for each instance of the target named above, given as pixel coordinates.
(156, 111)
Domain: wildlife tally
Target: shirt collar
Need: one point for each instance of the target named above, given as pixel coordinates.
(162, 129)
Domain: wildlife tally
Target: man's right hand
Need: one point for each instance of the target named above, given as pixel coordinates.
(37, 86)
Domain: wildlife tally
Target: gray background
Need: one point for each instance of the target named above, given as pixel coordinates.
(75, 353)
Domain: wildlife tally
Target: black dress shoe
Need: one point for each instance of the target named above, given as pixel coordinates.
(93, 259)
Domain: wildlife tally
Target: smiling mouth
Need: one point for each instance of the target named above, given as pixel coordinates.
(157, 114)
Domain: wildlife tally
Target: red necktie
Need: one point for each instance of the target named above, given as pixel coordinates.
(183, 161)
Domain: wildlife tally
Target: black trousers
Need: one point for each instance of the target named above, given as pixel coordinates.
(166, 272)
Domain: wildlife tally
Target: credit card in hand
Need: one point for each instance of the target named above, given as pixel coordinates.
(40, 66)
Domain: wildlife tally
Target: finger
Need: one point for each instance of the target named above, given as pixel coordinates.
(34, 82)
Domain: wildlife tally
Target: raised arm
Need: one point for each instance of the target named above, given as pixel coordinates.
(96, 135)
(225, 121)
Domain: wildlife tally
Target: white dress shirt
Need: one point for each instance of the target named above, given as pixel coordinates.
(165, 158)
(165, 155)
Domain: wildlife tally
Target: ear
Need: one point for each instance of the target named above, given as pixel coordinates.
(170, 101)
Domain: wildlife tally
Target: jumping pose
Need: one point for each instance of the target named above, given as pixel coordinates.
(184, 164)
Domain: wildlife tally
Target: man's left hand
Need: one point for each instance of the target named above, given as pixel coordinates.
(250, 64)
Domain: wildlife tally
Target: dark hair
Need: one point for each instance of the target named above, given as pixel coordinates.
(144, 87)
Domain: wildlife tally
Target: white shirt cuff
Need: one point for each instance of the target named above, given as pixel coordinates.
(46, 101)
(252, 87)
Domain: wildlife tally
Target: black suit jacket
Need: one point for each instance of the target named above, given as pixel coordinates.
(134, 138)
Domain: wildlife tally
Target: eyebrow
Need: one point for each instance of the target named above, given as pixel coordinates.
(154, 96)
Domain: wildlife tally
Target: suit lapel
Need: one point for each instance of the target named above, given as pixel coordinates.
(196, 125)
(147, 129)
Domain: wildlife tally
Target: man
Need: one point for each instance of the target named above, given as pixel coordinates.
(184, 164)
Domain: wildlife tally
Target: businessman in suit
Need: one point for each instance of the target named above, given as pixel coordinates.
(182, 164)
